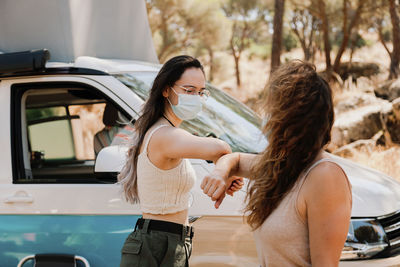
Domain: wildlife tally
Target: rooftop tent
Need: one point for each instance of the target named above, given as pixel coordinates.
(117, 29)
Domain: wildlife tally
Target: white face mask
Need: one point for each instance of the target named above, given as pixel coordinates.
(188, 106)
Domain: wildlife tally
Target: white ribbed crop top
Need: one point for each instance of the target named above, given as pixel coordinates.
(163, 191)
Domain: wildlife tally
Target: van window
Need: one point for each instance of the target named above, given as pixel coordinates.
(53, 139)
(62, 130)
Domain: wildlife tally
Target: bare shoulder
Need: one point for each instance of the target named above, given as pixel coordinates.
(168, 133)
(168, 137)
(327, 180)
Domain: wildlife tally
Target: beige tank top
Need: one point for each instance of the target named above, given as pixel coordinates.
(282, 240)
(163, 191)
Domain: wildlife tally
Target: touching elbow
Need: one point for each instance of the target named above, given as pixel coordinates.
(222, 149)
(226, 149)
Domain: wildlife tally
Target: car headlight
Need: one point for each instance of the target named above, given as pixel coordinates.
(365, 239)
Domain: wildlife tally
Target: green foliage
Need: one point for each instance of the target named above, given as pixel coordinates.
(260, 51)
(357, 40)
(289, 41)
(369, 42)
(242, 9)
(249, 19)
(186, 26)
(204, 28)
(387, 35)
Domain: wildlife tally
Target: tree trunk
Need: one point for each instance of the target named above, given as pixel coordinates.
(310, 49)
(236, 56)
(237, 69)
(352, 48)
(325, 30)
(211, 55)
(164, 37)
(345, 37)
(277, 35)
(395, 58)
(347, 31)
(307, 54)
(302, 40)
(380, 35)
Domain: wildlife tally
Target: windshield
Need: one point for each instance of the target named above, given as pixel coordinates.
(222, 116)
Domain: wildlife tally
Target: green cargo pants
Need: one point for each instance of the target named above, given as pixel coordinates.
(145, 248)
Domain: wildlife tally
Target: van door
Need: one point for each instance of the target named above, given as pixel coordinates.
(51, 199)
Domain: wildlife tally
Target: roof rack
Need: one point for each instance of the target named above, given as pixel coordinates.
(26, 61)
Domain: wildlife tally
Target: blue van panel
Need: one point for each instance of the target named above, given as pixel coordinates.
(98, 238)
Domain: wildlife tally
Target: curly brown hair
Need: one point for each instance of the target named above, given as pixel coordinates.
(300, 116)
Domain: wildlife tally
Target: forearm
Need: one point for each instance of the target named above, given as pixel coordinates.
(226, 165)
(235, 164)
(245, 165)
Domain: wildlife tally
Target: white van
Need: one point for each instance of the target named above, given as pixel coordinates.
(57, 198)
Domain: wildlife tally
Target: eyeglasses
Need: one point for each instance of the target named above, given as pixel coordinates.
(192, 91)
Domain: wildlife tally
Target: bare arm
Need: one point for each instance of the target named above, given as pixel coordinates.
(235, 164)
(327, 197)
(175, 143)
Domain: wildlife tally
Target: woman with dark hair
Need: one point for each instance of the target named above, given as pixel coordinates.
(157, 173)
(299, 200)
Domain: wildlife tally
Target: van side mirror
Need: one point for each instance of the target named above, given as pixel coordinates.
(111, 159)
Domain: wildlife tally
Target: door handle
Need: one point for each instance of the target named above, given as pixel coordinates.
(19, 197)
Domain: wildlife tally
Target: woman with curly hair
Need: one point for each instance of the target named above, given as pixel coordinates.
(299, 200)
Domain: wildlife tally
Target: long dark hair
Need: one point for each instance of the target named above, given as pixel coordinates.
(300, 110)
(152, 111)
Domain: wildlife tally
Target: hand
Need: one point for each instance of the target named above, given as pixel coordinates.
(215, 187)
(236, 185)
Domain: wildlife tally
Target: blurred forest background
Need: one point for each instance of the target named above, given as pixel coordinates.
(355, 45)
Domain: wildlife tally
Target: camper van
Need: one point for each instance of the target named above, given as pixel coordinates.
(61, 199)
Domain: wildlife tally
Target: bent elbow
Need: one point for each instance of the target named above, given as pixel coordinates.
(222, 149)
(226, 148)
